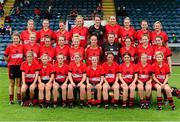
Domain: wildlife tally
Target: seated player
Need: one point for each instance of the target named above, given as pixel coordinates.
(60, 79)
(161, 73)
(144, 81)
(128, 77)
(94, 80)
(45, 81)
(77, 77)
(110, 80)
(30, 74)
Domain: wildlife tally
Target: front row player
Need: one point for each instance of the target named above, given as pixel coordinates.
(161, 73)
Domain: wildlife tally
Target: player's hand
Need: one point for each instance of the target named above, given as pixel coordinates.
(132, 84)
(79, 84)
(73, 84)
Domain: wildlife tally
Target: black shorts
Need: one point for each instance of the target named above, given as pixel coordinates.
(60, 83)
(44, 81)
(28, 83)
(14, 71)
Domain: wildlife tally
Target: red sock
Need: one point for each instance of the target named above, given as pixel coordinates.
(41, 101)
(171, 101)
(11, 97)
(147, 100)
(18, 96)
(159, 101)
(131, 102)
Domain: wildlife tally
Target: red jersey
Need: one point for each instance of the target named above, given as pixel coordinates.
(124, 33)
(61, 73)
(72, 51)
(89, 52)
(34, 48)
(162, 34)
(94, 75)
(45, 72)
(77, 71)
(165, 50)
(25, 36)
(30, 71)
(160, 72)
(65, 33)
(128, 72)
(140, 33)
(110, 71)
(144, 72)
(83, 32)
(64, 50)
(148, 50)
(131, 50)
(14, 54)
(47, 50)
(42, 34)
(113, 29)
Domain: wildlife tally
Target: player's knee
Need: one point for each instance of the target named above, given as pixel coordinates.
(70, 87)
(63, 87)
(82, 87)
(105, 87)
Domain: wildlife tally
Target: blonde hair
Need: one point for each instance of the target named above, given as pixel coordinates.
(45, 55)
(79, 17)
(159, 53)
(157, 22)
(30, 53)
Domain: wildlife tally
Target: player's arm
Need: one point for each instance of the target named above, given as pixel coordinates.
(51, 78)
(36, 77)
(156, 80)
(139, 81)
(87, 80)
(121, 79)
(135, 78)
(169, 63)
(166, 79)
(117, 78)
(70, 78)
(83, 78)
(150, 80)
(23, 77)
(39, 80)
(102, 80)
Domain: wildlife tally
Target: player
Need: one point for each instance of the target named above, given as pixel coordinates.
(93, 50)
(110, 80)
(81, 30)
(45, 81)
(128, 77)
(161, 73)
(14, 57)
(77, 78)
(94, 80)
(30, 72)
(60, 80)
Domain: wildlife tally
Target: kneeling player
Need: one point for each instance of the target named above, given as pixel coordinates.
(60, 80)
(111, 80)
(144, 81)
(77, 77)
(45, 80)
(30, 73)
(161, 73)
(94, 81)
(128, 78)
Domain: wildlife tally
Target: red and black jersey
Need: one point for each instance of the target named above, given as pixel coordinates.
(14, 54)
(34, 48)
(77, 71)
(63, 50)
(130, 33)
(140, 33)
(65, 33)
(94, 74)
(160, 72)
(72, 51)
(47, 50)
(43, 33)
(130, 50)
(148, 50)
(113, 29)
(83, 32)
(46, 72)
(25, 36)
(163, 34)
(89, 52)
(144, 72)
(61, 73)
(128, 72)
(110, 71)
(30, 70)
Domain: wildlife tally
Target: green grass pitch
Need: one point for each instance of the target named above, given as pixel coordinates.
(18, 113)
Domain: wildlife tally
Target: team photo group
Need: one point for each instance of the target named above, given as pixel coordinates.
(112, 65)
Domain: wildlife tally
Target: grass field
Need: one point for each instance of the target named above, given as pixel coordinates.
(17, 113)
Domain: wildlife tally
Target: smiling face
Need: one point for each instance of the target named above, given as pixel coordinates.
(144, 58)
(159, 41)
(45, 24)
(61, 26)
(144, 25)
(47, 42)
(111, 38)
(127, 58)
(45, 59)
(110, 58)
(30, 25)
(93, 40)
(16, 39)
(128, 42)
(77, 57)
(79, 21)
(157, 26)
(29, 56)
(127, 22)
(97, 20)
(159, 56)
(145, 40)
(60, 58)
(61, 41)
(112, 20)
(94, 60)
(32, 38)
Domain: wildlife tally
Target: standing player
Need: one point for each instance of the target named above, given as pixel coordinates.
(81, 30)
(46, 31)
(113, 27)
(25, 35)
(144, 30)
(30, 74)
(128, 48)
(93, 50)
(144, 81)
(111, 46)
(45, 80)
(77, 77)
(128, 77)
(62, 32)
(127, 30)
(145, 47)
(14, 57)
(95, 78)
(62, 48)
(98, 30)
(60, 79)
(158, 32)
(47, 49)
(110, 80)
(161, 73)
